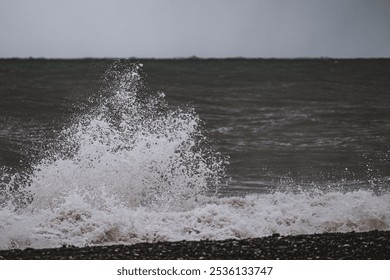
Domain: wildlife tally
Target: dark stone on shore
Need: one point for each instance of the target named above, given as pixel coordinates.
(364, 245)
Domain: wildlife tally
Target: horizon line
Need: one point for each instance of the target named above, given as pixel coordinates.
(196, 58)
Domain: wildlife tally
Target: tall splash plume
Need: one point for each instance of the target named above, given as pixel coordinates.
(129, 151)
(133, 147)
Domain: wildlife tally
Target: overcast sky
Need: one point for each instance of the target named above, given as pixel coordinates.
(203, 28)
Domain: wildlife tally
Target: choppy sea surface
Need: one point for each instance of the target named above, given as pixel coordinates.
(97, 152)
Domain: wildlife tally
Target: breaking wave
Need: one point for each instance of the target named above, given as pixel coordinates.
(132, 169)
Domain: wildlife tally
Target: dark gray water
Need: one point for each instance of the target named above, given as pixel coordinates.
(99, 152)
(309, 121)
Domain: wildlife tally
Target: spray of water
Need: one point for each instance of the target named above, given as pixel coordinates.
(132, 169)
(133, 147)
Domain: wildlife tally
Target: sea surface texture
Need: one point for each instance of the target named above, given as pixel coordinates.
(100, 152)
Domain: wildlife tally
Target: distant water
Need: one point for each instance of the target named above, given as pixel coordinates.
(96, 152)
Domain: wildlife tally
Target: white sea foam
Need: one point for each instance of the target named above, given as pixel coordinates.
(80, 222)
(134, 170)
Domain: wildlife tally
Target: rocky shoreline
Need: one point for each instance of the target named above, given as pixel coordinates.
(363, 245)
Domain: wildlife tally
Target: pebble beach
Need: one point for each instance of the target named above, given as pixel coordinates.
(373, 245)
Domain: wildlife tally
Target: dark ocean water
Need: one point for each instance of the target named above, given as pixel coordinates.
(293, 146)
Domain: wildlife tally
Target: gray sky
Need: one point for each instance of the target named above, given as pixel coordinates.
(204, 28)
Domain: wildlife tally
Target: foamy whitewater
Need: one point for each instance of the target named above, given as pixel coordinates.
(132, 169)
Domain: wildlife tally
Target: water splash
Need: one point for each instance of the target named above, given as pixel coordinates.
(132, 146)
(132, 169)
